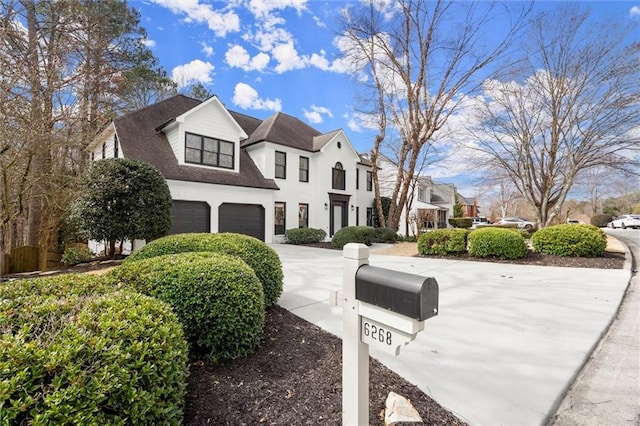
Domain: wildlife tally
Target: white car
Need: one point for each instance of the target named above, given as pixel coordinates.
(625, 221)
(522, 223)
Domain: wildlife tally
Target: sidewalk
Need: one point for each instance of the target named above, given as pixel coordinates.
(507, 342)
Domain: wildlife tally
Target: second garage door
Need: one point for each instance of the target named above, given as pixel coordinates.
(245, 219)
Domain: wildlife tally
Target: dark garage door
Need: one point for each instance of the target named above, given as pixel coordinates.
(245, 219)
(190, 216)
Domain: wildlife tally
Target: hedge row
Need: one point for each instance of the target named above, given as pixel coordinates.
(76, 351)
(261, 258)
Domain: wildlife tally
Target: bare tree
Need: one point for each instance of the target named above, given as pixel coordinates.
(58, 61)
(574, 108)
(421, 59)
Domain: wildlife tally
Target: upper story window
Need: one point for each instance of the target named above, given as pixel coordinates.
(357, 178)
(337, 177)
(104, 150)
(208, 151)
(304, 169)
(281, 165)
(115, 146)
(422, 194)
(369, 181)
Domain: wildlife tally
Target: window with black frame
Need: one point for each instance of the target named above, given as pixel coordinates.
(304, 169)
(281, 165)
(279, 218)
(338, 174)
(303, 215)
(208, 151)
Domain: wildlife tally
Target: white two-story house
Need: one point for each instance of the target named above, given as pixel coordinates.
(429, 205)
(229, 172)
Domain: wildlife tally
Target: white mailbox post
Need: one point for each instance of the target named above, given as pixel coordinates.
(382, 308)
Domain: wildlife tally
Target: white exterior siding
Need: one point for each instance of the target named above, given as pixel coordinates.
(215, 195)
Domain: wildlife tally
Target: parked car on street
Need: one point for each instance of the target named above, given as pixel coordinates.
(625, 221)
(479, 221)
(521, 223)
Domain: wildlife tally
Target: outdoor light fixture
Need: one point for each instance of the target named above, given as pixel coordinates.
(351, 207)
(326, 206)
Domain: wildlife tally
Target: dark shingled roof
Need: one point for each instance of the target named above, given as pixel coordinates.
(285, 130)
(140, 141)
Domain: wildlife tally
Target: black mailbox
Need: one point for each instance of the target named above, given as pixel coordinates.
(410, 295)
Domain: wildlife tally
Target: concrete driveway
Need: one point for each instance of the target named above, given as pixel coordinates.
(508, 341)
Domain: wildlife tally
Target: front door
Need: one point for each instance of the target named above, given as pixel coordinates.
(338, 216)
(338, 212)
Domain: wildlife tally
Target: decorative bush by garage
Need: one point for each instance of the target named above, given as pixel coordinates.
(304, 235)
(570, 240)
(496, 242)
(601, 220)
(443, 241)
(259, 256)
(68, 356)
(217, 298)
(353, 234)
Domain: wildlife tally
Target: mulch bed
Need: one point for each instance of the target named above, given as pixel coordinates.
(295, 377)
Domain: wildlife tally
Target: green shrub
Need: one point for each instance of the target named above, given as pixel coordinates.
(73, 255)
(71, 357)
(304, 235)
(217, 298)
(496, 242)
(384, 235)
(570, 240)
(259, 256)
(443, 241)
(601, 220)
(353, 234)
(461, 222)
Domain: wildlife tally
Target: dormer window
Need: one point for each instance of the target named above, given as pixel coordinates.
(208, 151)
(338, 181)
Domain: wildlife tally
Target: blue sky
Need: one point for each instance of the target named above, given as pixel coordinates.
(263, 56)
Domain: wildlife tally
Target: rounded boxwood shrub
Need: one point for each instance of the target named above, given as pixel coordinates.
(570, 240)
(217, 298)
(260, 257)
(496, 242)
(443, 241)
(601, 220)
(353, 234)
(304, 235)
(384, 235)
(116, 357)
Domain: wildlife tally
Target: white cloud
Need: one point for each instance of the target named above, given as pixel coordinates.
(247, 97)
(220, 22)
(149, 43)
(315, 115)
(264, 8)
(206, 49)
(193, 72)
(634, 11)
(359, 121)
(287, 57)
(319, 22)
(237, 56)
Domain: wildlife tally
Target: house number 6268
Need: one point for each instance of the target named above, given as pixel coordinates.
(377, 333)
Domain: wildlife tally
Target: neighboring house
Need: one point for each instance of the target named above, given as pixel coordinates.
(229, 172)
(469, 206)
(431, 205)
